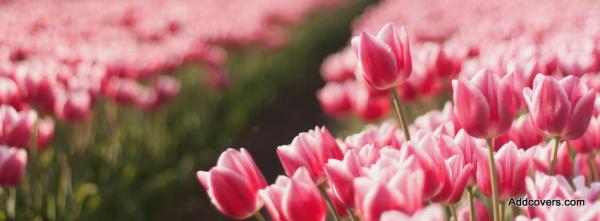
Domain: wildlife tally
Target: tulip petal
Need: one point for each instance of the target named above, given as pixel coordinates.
(471, 108)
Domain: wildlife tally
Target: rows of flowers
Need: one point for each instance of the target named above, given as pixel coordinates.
(59, 60)
(523, 120)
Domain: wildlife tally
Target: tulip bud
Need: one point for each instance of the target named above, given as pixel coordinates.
(484, 106)
(294, 199)
(233, 184)
(12, 165)
(45, 132)
(560, 108)
(334, 99)
(384, 60)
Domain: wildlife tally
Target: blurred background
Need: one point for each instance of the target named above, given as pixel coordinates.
(142, 94)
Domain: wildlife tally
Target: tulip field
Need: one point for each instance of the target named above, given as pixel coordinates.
(300, 110)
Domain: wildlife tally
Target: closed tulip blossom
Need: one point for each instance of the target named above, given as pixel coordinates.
(512, 165)
(13, 162)
(522, 132)
(384, 60)
(560, 108)
(484, 105)
(294, 199)
(590, 140)
(233, 184)
(311, 150)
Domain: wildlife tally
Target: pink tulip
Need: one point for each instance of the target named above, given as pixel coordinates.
(481, 212)
(295, 198)
(12, 165)
(511, 168)
(590, 140)
(233, 184)
(45, 132)
(560, 108)
(341, 175)
(430, 159)
(339, 67)
(334, 99)
(582, 167)
(9, 92)
(20, 132)
(367, 106)
(431, 213)
(523, 133)
(166, 88)
(401, 192)
(384, 60)
(458, 176)
(540, 159)
(484, 106)
(310, 149)
(74, 107)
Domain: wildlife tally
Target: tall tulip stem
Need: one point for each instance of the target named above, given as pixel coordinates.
(471, 204)
(400, 113)
(554, 154)
(453, 212)
(328, 202)
(258, 216)
(591, 157)
(493, 179)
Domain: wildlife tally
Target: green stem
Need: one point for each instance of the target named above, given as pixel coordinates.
(453, 212)
(471, 203)
(501, 211)
(493, 178)
(352, 216)
(553, 156)
(11, 203)
(591, 157)
(401, 114)
(328, 202)
(258, 216)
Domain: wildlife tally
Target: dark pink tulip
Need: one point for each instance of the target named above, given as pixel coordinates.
(294, 199)
(522, 132)
(122, 90)
(367, 106)
(19, 133)
(9, 92)
(540, 159)
(484, 106)
(560, 108)
(384, 60)
(590, 140)
(233, 184)
(166, 88)
(341, 174)
(481, 212)
(511, 168)
(74, 106)
(431, 213)
(310, 149)
(13, 162)
(334, 99)
(45, 132)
